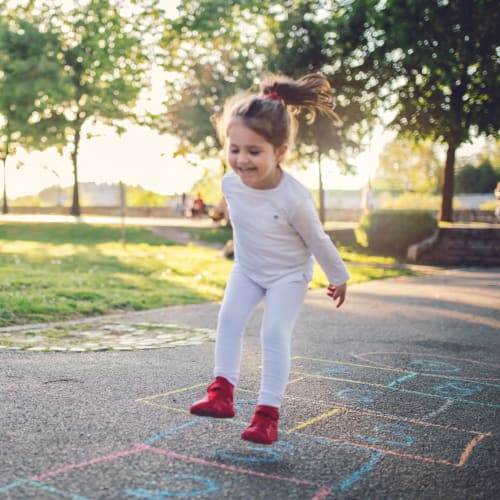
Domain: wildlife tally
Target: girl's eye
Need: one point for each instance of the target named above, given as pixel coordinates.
(233, 151)
(254, 152)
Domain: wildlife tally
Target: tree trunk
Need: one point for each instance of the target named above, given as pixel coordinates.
(321, 191)
(446, 211)
(5, 206)
(75, 207)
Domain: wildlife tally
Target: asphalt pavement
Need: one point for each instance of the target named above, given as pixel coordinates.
(394, 395)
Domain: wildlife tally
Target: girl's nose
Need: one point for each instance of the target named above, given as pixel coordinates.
(242, 158)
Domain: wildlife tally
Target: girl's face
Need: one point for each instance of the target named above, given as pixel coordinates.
(253, 158)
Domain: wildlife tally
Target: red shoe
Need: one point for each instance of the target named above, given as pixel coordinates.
(218, 402)
(263, 428)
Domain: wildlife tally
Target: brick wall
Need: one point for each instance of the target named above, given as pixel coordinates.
(459, 246)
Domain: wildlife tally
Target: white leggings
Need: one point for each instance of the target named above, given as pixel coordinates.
(282, 305)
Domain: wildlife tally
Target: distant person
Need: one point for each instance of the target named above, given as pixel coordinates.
(276, 232)
(368, 199)
(198, 206)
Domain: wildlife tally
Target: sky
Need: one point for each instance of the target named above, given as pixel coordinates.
(143, 157)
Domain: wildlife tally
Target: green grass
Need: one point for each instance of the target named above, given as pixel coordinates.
(52, 272)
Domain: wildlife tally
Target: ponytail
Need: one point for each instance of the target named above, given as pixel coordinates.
(311, 92)
(271, 114)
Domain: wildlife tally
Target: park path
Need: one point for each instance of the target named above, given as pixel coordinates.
(394, 395)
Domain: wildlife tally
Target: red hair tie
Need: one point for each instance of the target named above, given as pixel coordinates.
(273, 96)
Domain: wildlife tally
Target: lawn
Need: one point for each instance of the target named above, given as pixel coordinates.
(52, 272)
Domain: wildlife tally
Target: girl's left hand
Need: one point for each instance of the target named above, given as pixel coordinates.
(337, 293)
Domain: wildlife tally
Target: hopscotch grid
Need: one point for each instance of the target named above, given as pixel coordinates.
(335, 411)
(387, 416)
(311, 421)
(397, 389)
(343, 485)
(335, 407)
(461, 462)
(481, 381)
(339, 409)
(175, 391)
(322, 490)
(136, 449)
(382, 366)
(233, 468)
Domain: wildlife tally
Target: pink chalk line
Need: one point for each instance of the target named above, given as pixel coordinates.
(137, 449)
(320, 494)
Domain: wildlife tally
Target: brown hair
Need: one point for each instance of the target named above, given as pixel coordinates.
(272, 113)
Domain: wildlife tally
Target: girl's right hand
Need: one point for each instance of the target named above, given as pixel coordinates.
(337, 293)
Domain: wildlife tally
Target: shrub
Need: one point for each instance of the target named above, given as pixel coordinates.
(391, 232)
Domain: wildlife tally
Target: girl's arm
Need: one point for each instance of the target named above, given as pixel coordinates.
(306, 222)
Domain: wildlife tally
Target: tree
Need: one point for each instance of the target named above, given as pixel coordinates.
(304, 40)
(209, 51)
(407, 165)
(30, 72)
(434, 65)
(220, 48)
(106, 61)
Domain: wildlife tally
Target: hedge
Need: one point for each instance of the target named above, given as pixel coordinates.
(391, 232)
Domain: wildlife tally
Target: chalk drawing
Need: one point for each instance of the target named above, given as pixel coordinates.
(40, 486)
(177, 488)
(360, 395)
(344, 425)
(259, 454)
(457, 389)
(431, 365)
(442, 409)
(179, 484)
(400, 434)
(289, 443)
(368, 373)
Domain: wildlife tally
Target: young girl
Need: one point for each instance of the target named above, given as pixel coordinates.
(276, 233)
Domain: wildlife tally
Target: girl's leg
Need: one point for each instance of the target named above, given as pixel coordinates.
(240, 299)
(282, 306)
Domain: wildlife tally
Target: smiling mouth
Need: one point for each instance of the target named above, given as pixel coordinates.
(246, 170)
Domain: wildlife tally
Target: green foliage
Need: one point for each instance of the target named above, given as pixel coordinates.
(26, 201)
(209, 187)
(406, 200)
(481, 179)
(489, 205)
(409, 165)
(305, 41)
(210, 50)
(139, 197)
(215, 48)
(434, 65)
(391, 232)
(106, 62)
(31, 73)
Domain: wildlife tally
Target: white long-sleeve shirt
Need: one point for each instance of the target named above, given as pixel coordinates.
(277, 233)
